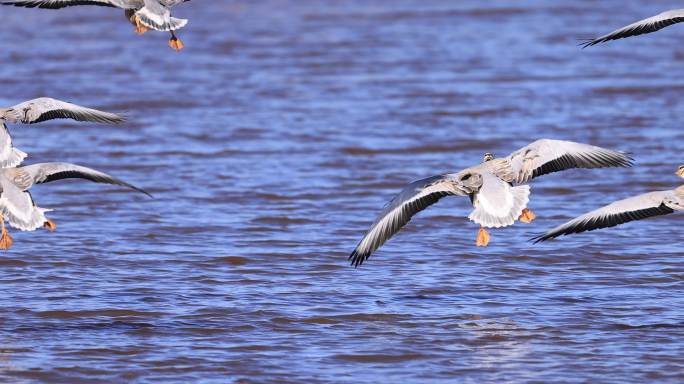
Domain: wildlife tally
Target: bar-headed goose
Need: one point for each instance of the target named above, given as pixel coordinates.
(17, 206)
(493, 188)
(38, 110)
(641, 27)
(144, 14)
(622, 211)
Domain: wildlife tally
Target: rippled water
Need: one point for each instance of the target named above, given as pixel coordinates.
(272, 142)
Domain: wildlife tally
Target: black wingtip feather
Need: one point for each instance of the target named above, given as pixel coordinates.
(357, 258)
(538, 238)
(584, 43)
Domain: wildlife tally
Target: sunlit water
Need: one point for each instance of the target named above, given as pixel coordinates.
(271, 143)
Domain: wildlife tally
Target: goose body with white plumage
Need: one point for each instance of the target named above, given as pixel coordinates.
(18, 207)
(145, 15)
(495, 188)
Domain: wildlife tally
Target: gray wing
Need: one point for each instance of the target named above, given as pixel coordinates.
(620, 212)
(45, 108)
(641, 27)
(414, 198)
(157, 16)
(47, 172)
(547, 156)
(9, 156)
(57, 4)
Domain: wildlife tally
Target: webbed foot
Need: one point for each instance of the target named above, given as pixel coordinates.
(176, 43)
(527, 216)
(50, 225)
(483, 238)
(6, 240)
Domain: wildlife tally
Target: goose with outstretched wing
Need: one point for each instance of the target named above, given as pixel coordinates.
(641, 27)
(144, 14)
(493, 187)
(39, 110)
(18, 208)
(638, 207)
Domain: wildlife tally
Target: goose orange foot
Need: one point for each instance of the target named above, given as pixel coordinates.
(176, 43)
(50, 225)
(6, 240)
(482, 238)
(527, 216)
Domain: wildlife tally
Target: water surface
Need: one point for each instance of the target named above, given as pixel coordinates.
(271, 143)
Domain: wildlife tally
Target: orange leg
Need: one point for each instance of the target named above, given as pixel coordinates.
(50, 225)
(5, 240)
(527, 216)
(482, 238)
(175, 43)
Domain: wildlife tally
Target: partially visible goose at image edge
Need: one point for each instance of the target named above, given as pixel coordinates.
(39, 110)
(17, 205)
(144, 14)
(641, 27)
(490, 186)
(638, 207)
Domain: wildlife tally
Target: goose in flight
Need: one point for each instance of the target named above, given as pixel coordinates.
(18, 208)
(641, 27)
(493, 187)
(622, 211)
(144, 14)
(38, 110)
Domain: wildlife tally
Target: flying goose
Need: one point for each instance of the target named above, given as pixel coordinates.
(641, 27)
(36, 111)
(493, 188)
(144, 14)
(622, 211)
(18, 207)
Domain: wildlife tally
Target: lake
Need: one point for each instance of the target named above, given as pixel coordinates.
(271, 143)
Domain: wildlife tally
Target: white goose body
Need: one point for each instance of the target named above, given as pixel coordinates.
(144, 14)
(493, 186)
(17, 206)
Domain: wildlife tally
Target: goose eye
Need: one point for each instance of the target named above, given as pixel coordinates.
(466, 177)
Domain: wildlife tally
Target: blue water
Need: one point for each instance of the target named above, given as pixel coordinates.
(272, 141)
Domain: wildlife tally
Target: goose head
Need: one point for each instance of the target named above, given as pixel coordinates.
(680, 171)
